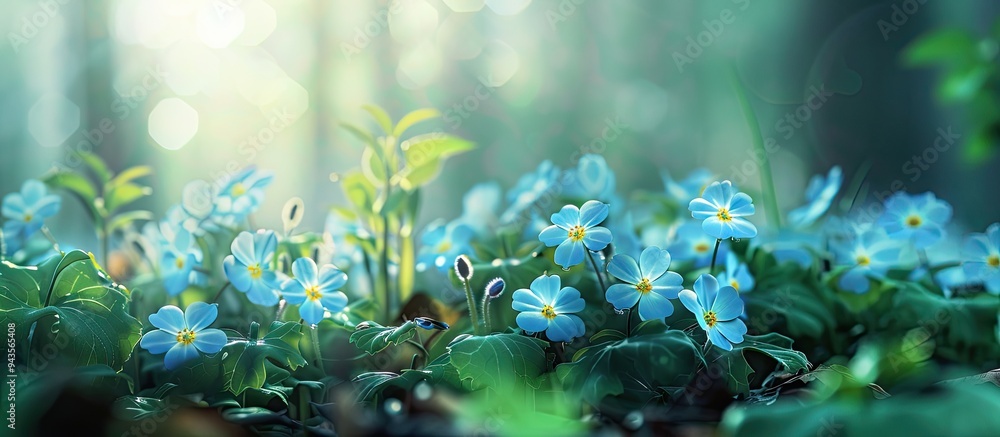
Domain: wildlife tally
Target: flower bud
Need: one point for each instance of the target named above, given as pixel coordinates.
(430, 324)
(463, 268)
(495, 288)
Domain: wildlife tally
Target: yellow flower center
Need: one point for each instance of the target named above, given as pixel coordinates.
(28, 217)
(733, 283)
(644, 286)
(863, 260)
(238, 190)
(255, 271)
(179, 262)
(710, 318)
(701, 247)
(724, 215)
(312, 293)
(993, 260)
(443, 247)
(549, 312)
(577, 232)
(186, 336)
(913, 221)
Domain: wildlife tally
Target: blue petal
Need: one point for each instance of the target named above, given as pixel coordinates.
(304, 270)
(728, 305)
(261, 293)
(625, 268)
(742, 228)
(567, 217)
(48, 206)
(708, 288)
(553, 235)
(716, 228)
(741, 205)
(568, 301)
(593, 213)
(597, 238)
(702, 209)
(178, 354)
(293, 292)
(653, 306)
(200, 315)
(243, 249)
(854, 280)
(210, 340)
(526, 300)
(168, 318)
(561, 328)
(690, 301)
(668, 285)
(532, 321)
(622, 296)
(311, 311)
(733, 330)
(265, 242)
(718, 339)
(237, 273)
(569, 253)
(158, 341)
(334, 302)
(331, 278)
(654, 262)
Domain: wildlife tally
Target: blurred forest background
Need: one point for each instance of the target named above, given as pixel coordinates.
(198, 88)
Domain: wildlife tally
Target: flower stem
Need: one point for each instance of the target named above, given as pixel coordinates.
(421, 348)
(486, 313)
(219, 294)
(711, 270)
(314, 332)
(600, 278)
(628, 323)
(766, 178)
(55, 244)
(473, 314)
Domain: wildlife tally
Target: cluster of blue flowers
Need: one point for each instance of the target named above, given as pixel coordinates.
(25, 213)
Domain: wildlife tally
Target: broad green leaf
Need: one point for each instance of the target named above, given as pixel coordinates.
(373, 167)
(381, 117)
(948, 46)
(376, 338)
(411, 178)
(246, 363)
(633, 365)
(96, 165)
(500, 361)
(426, 149)
(771, 344)
(360, 191)
(130, 174)
(121, 221)
(83, 316)
(371, 384)
(123, 194)
(74, 183)
(413, 118)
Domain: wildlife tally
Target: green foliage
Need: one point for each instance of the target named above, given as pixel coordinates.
(773, 345)
(246, 362)
(82, 316)
(644, 366)
(375, 338)
(501, 361)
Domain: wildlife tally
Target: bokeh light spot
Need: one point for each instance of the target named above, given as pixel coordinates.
(173, 123)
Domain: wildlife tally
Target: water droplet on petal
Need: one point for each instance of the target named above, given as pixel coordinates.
(565, 269)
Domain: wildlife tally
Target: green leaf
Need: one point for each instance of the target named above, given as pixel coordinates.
(132, 408)
(424, 149)
(360, 133)
(667, 359)
(948, 46)
(381, 117)
(360, 191)
(771, 344)
(82, 314)
(501, 361)
(121, 195)
(121, 221)
(376, 338)
(246, 363)
(372, 166)
(413, 118)
(74, 183)
(411, 178)
(371, 384)
(96, 165)
(130, 174)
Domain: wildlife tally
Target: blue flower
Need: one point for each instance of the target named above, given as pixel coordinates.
(549, 308)
(717, 310)
(480, 206)
(690, 243)
(919, 218)
(721, 209)
(868, 254)
(317, 290)
(180, 256)
(242, 194)
(819, 196)
(691, 187)
(575, 230)
(737, 275)
(647, 282)
(26, 211)
(249, 267)
(627, 242)
(982, 257)
(530, 187)
(182, 336)
(953, 279)
(591, 179)
(442, 243)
